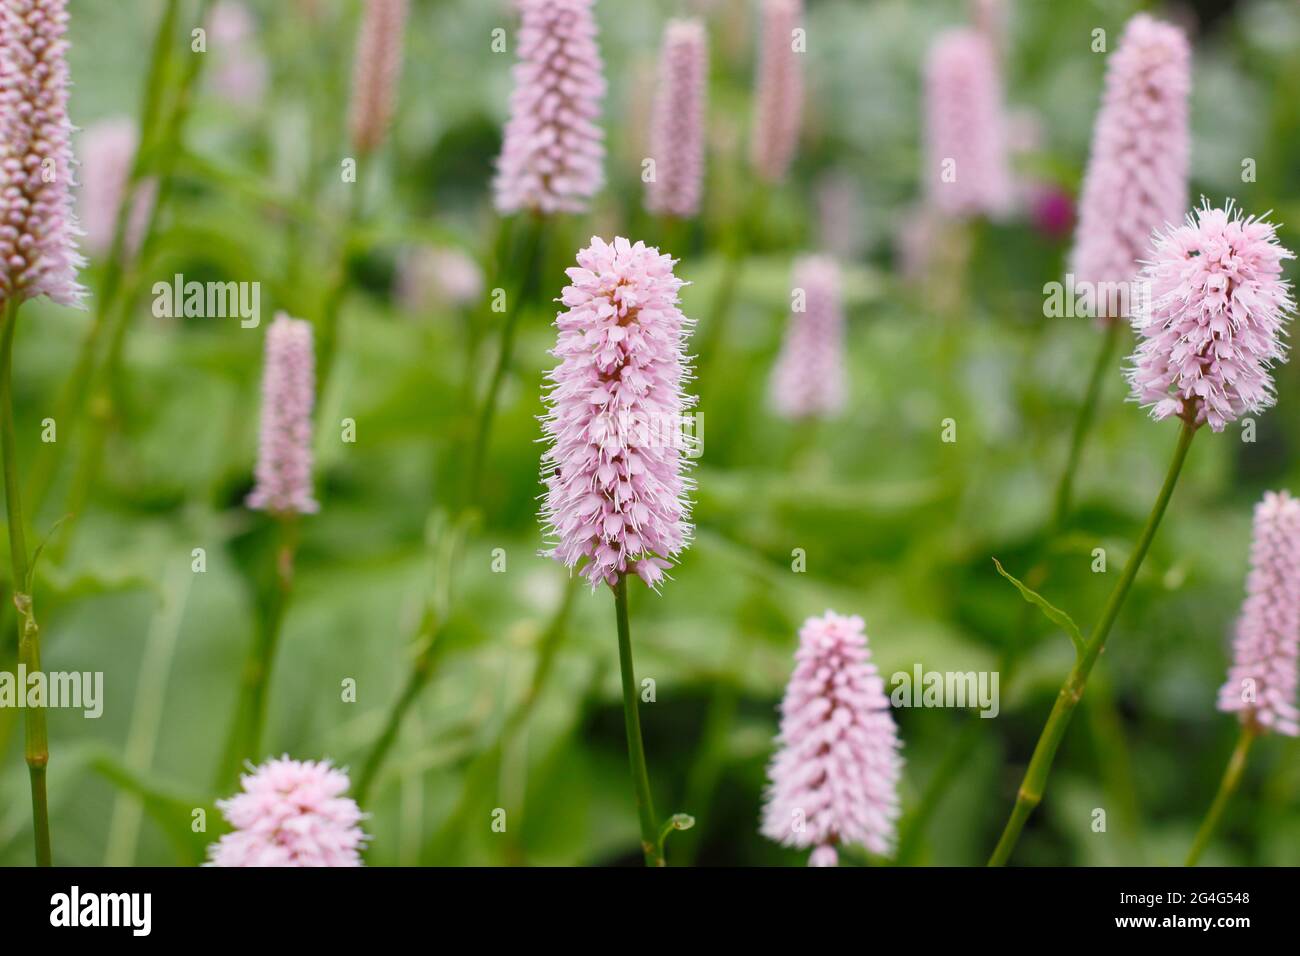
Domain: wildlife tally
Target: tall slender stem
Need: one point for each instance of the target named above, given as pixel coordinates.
(1082, 425)
(250, 712)
(72, 400)
(515, 302)
(37, 750)
(1227, 787)
(632, 721)
(1040, 765)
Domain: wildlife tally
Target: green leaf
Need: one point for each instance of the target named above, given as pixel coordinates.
(1053, 613)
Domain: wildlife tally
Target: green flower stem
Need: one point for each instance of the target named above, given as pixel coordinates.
(632, 721)
(1083, 424)
(530, 252)
(327, 333)
(428, 650)
(1040, 765)
(37, 749)
(97, 390)
(250, 712)
(72, 400)
(1227, 787)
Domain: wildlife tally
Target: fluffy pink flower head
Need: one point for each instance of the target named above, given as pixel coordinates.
(615, 468)
(778, 94)
(808, 379)
(677, 131)
(966, 166)
(1136, 181)
(834, 779)
(1213, 318)
(1261, 684)
(284, 460)
(553, 150)
(291, 813)
(108, 150)
(38, 253)
(375, 73)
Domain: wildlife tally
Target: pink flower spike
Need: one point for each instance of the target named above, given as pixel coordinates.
(778, 93)
(966, 166)
(291, 813)
(1136, 181)
(808, 380)
(375, 72)
(677, 132)
(38, 253)
(284, 459)
(553, 150)
(1212, 319)
(1261, 684)
(834, 779)
(108, 150)
(615, 468)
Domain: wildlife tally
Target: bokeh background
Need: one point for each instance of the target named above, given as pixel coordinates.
(522, 711)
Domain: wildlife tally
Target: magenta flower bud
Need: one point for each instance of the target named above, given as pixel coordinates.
(1137, 173)
(834, 779)
(966, 166)
(291, 813)
(1215, 319)
(1261, 684)
(284, 459)
(553, 150)
(108, 150)
(677, 131)
(778, 93)
(38, 253)
(808, 380)
(615, 468)
(375, 72)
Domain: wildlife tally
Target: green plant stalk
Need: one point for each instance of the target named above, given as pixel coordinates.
(428, 651)
(1083, 424)
(532, 251)
(421, 670)
(328, 330)
(912, 828)
(102, 388)
(1031, 789)
(37, 750)
(72, 400)
(1227, 787)
(632, 722)
(250, 712)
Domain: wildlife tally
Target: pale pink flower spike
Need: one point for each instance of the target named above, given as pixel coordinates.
(553, 151)
(1215, 320)
(615, 468)
(375, 72)
(1136, 181)
(834, 779)
(677, 130)
(284, 459)
(1261, 684)
(291, 813)
(778, 94)
(967, 172)
(38, 230)
(808, 380)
